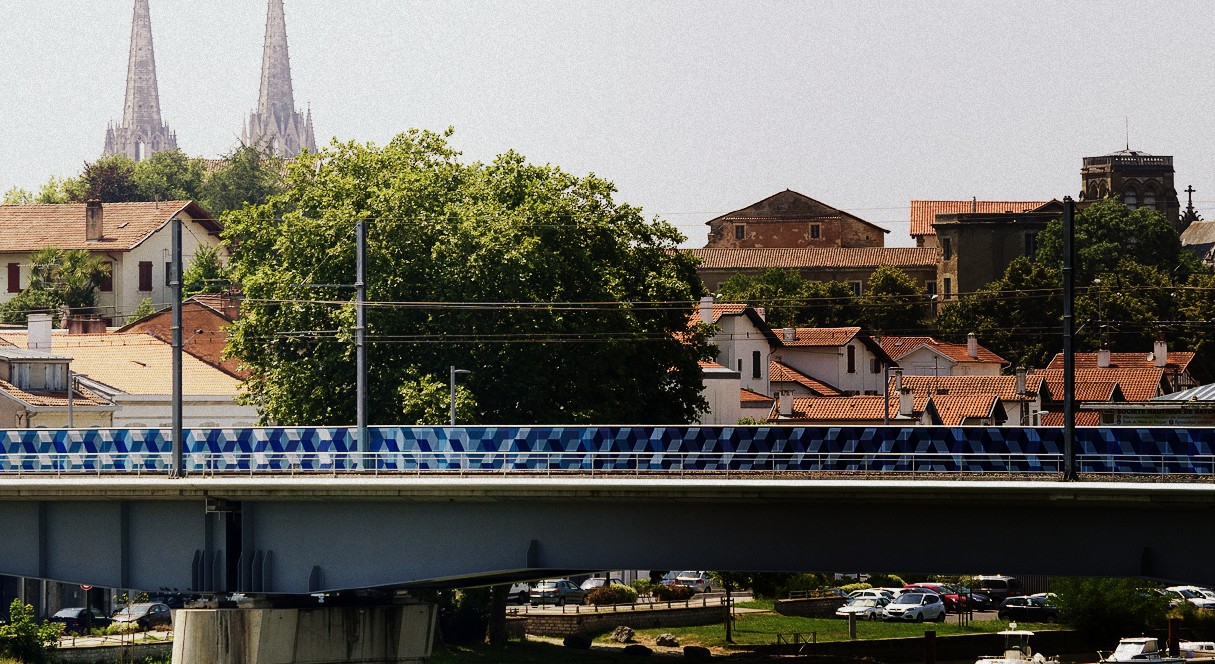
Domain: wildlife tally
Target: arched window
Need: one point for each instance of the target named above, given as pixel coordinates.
(1131, 198)
(1149, 197)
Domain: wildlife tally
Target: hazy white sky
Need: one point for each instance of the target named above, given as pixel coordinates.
(692, 108)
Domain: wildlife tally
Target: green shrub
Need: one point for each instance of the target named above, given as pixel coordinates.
(644, 586)
(886, 581)
(1108, 609)
(613, 594)
(673, 593)
(24, 638)
(855, 586)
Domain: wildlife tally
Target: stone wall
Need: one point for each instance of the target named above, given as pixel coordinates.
(605, 621)
(815, 607)
(137, 652)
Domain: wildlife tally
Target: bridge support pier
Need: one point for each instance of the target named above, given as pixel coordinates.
(398, 634)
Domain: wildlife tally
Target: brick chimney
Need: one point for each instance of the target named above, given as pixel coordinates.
(972, 345)
(94, 229)
(39, 336)
(789, 335)
(1021, 381)
(1161, 350)
(706, 309)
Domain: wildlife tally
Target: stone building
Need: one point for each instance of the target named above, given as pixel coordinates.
(924, 214)
(276, 124)
(1136, 178)
(852, 266)
(142, 132)
(790, 219)
(976, 248)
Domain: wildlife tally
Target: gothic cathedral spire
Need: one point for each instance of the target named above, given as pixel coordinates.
(142, 132)
(276, 124)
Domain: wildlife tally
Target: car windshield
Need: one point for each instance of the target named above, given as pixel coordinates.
(689, 575)
(134, 610)
(908, 598)
(547, 584)
(863, 601)
(68, 613)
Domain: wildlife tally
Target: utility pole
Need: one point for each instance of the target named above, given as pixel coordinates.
(360, 342)
(178, 469)
(1069, 335)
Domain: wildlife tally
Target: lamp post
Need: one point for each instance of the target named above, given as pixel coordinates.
(455, 372)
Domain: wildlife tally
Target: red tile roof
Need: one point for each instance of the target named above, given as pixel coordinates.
(897, 347)
(954, 410)
(29, 228)
(1177, 361)
(783, 373)
(1004, 387)
(751, 396)
(710, 365)
(861, 407)
(923, 213)
(820, 336)
(1098, 384)
(1084, 418)
(82, 397)
(833, 257)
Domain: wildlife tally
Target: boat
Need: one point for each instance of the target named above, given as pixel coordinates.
(1198, 649)
(1016, 649)
(1139, 650)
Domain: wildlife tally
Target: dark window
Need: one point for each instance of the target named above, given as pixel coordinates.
(107, 282)
(145, 276)
(816, 231)
(169, 274)
(851, 359)
(930, 287)
(875, 366)
(14, 277)
(948, 287)
(755, 359)
(1031, 244)
(856, 288)
(946, 248)
(740, 231)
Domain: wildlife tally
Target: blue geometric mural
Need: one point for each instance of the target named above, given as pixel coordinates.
(671, 450)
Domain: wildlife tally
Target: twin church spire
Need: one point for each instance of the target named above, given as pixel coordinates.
(276, 124)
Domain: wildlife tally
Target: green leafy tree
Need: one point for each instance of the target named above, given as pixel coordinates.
(1019, 316)
(25, 639)
(58, 279)
(205, 274)
(779, 291)
(144, 310)
(250, 175)
(831, 304)
(110, 180)
(516, 238)
(893, 303)
(426, 401)
(1196, 305)
(18, 196)
(1108, 609)
(61, 190)
(168, 175)
(1108, 233)
(1124, 307)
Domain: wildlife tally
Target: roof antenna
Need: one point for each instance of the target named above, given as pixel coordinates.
(1128, 133)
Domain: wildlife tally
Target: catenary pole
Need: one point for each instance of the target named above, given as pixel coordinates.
(360, 342)
(178, 469)
(1069, 334)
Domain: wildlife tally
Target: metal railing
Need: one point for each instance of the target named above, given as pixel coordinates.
(608, 464)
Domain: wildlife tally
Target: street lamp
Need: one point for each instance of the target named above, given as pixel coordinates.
(455, 372)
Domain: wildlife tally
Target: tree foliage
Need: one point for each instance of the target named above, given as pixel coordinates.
(893, 303)
(144, 309)
(18, 196)
(110, 179)
(26, 639)
(206, 273)
(168, 175)
(59, 278)
(516, 238)
(790, 300)
(426, 400)
(250, 175)
(1108, 609)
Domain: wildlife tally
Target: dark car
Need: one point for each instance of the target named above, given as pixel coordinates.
(998, 587)
(147, 615)
(79, 620)
(1028, 609)
(977, 601)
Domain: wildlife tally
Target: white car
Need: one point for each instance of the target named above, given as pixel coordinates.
(917, 607)
(698, 581)
(866, 608)
(872, 593)
(1192, 594)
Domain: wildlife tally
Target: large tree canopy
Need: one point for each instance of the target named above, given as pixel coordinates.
(567, 306)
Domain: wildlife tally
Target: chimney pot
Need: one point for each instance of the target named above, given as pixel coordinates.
(1103, 358)
(1021, 380)
(94, 228)
(972, 345)
(1161, 350)
(906, 403)
(789, 334)
(786, 403)
(706, 309)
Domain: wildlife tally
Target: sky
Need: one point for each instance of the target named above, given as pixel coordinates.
(693, 109)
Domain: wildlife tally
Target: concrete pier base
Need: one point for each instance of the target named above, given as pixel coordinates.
(399, 634)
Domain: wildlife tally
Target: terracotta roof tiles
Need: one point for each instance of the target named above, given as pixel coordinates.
(954, 410)
(1004, 387)
(1084, 418)
(779, 372)
(751, 396)
(1179, 361)
(897, 347)
(833, 257)
(1098, 384)
(924, 213)
(29, 228)
(820, 336)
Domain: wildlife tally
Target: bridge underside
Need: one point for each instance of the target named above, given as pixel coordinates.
(295, 536)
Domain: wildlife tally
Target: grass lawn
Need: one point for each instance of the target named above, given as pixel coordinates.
(762, 628)
(521, 653)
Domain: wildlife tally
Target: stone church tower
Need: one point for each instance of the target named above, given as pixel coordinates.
(142, 132)
(1135, 178)
(276, 123)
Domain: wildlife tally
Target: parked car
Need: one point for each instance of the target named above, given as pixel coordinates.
(976, 601)
(519, 593)
(949, 594)
(668, 579)
(998, 588)
(147, 615)
(872, 593)
(1029, 609)
(1191, 594)
(917, 606)
(556, 591)
(866, 608)
(79, 620)
(698, 581)
(596, 582)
